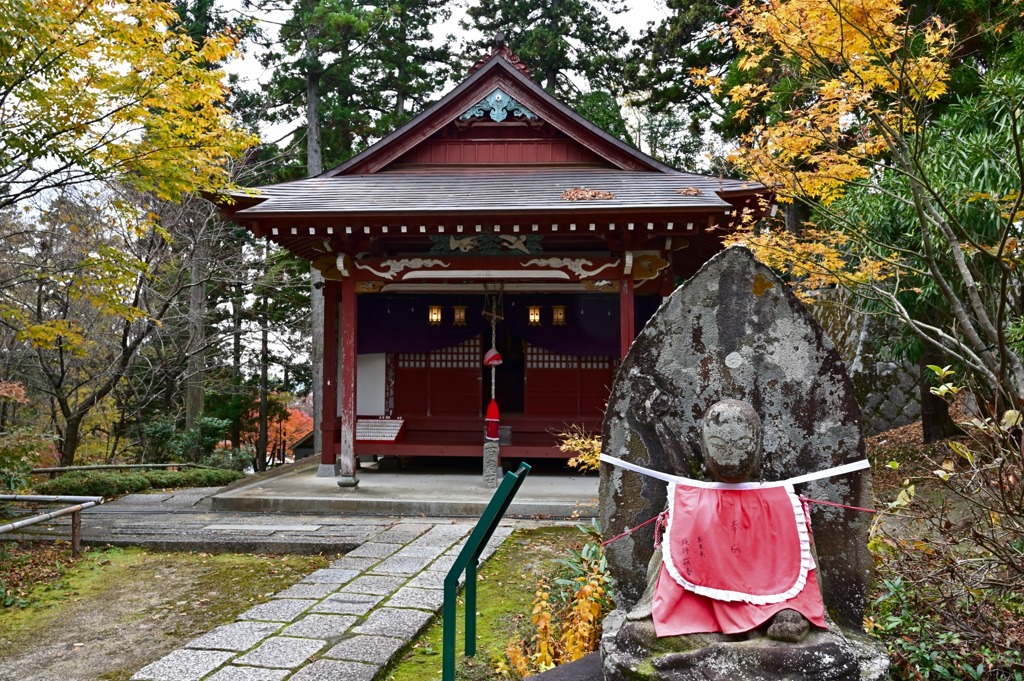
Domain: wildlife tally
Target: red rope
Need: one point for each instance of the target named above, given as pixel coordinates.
(628, 532)
(832, 503)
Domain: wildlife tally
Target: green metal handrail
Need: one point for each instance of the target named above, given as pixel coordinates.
(467, 562)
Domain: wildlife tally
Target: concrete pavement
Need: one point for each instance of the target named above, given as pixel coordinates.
(424, 488)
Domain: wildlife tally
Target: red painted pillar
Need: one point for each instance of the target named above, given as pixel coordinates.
(626, 326)
(347, 388)
(329, 415)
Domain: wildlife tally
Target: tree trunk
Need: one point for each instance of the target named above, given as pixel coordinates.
(314, 151)
(194, 379)
(792, 216)
(551, 74)
(262, 438)
(70, 439)
(936, 423)
(314, 166)
(236, 358)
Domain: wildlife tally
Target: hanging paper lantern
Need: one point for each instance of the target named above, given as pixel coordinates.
(492, 358)
(492, 419)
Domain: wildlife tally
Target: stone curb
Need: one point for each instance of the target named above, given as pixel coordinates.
(391, 507)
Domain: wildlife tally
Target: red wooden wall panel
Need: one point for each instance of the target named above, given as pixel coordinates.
(566, 386)
(444, 382)
(448, 382)
(411, 391)
(551, 392)
(595, 385)
(499, 152)
(455, 392)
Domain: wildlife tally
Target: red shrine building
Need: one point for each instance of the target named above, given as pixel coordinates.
(499, 219)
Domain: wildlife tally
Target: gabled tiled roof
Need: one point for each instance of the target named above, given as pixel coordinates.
(493, 192)
(371, 191)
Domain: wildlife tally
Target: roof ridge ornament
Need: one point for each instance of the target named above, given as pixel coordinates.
(499, 104)
(502, 50)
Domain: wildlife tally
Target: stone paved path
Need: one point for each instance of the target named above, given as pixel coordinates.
(342, 623)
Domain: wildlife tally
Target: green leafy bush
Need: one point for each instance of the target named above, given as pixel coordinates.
(164, 442)
(210, 477)
(235, 459)
(199, 441)
(157, 436)
(94, 484)
(160, 479)
(909, 620)
(112, 484)
(20, 448)
(191, 477)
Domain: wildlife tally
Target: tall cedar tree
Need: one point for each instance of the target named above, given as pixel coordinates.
(372, 63)
(570, 44)
(412, 70)
(658, 69)
(353, 72)
(667, 112)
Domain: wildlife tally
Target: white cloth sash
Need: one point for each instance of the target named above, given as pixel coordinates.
(678, 479)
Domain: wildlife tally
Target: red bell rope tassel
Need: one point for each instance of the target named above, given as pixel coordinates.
(492, 420)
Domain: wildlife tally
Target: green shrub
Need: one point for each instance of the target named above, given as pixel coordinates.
(907, 618)
(210, 477)
(112, 483)
(94, 484)
(235, 459)
(191, 477)
(19, 448)
(163, 442)
(160, 479)
(198, 442)
(157, 436)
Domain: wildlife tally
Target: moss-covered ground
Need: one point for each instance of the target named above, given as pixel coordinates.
(116, 610)
(505, 592)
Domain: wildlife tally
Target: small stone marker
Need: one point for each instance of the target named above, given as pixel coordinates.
(492, 468)
(735, 331)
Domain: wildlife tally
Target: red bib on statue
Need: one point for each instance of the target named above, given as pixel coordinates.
(737, 544)
(733, 557)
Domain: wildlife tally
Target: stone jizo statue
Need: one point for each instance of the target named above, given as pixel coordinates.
(735, 564)
(730, 403)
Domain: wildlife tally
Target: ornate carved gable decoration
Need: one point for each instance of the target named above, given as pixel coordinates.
(498, 105)
(506, 54)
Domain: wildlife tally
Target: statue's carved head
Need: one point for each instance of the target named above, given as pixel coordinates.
(731, 441)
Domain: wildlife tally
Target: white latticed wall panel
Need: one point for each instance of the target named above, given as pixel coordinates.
(539, 358)
(465, 355)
